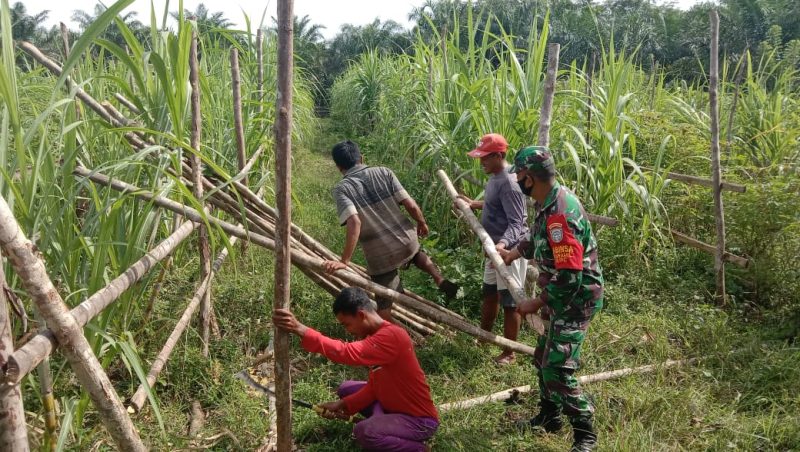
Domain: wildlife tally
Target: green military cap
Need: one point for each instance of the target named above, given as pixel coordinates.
(535, 159)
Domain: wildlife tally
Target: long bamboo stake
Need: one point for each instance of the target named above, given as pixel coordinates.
(24, 359)
(237, 111)
(283, 202)
(303, 260)
(602, 376)
(694, 180)
(489, 248)
(76, 348)
(716, 170)
(260, 69)
(137, 401)
(48, 400)
(13, 431)
(128, 104)
(197, 174)
(549, 90)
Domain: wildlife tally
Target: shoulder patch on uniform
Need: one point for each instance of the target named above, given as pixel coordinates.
(556, 232)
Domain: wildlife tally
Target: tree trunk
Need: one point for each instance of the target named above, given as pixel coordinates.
(84, 363)
(549, 91)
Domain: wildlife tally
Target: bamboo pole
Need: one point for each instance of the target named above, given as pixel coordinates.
(237, 111)
(602, 376)
(716, 170)
(260, 69)
(197, 175)
(76, 348)
(303, 260)
(46, 390)
(24, 359)
(128, 104)
(549, 91)
(589, 98)
(694, 180)
(739, 78)
(13, 431)
(283, 202)
(137, 401)
(489, 248)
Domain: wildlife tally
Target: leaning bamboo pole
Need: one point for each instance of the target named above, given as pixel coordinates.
(303, 260)
(197, 174)
(283, 203)
(24, 359)
(602, 376)
(76, 348)
(137, 401)
(716, 170)
(517, 293)
(13, 431)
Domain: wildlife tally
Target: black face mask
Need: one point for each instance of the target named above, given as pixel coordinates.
(525, 190)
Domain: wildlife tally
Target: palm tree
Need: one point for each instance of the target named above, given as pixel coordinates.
(113, 32)
(25, 27)
(209, 25)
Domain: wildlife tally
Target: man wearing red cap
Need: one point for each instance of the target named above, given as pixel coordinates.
(503, 217)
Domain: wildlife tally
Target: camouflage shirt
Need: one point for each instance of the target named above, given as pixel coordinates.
(563, 245)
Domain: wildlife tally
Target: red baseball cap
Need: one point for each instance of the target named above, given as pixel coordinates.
(489, 144)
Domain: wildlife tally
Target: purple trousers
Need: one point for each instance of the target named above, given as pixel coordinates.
(388, 432)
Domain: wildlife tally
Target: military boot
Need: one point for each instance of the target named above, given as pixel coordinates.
(585, 437)
(548, 419)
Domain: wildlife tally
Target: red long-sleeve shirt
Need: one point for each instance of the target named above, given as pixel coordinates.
(395, 378)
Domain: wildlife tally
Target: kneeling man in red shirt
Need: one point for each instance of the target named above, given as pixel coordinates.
(396, 400)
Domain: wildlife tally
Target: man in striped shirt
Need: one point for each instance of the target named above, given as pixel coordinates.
(368, 203)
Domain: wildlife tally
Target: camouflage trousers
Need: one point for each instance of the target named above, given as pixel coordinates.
(557, 358)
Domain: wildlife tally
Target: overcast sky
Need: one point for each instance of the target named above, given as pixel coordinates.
(330, 13)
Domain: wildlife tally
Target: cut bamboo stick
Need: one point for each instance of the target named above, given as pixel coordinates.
(602, 376)
(283, 220)
(31, 271)
(489, 248)
(303, 260)
(13, 430)
(260, 69)
(716, 166)
(24, 359)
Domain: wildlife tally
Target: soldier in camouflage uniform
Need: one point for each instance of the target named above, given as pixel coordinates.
(563, 245)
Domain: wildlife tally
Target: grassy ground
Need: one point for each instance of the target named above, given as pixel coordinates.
(741, 395)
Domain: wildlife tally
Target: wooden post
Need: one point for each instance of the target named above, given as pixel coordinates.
(260, 69)
(716, 171)
(283, 202)
(489, 248)
(13, 431)
(549, 91)
(76, 348)
(197, 178)
(237, 111)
